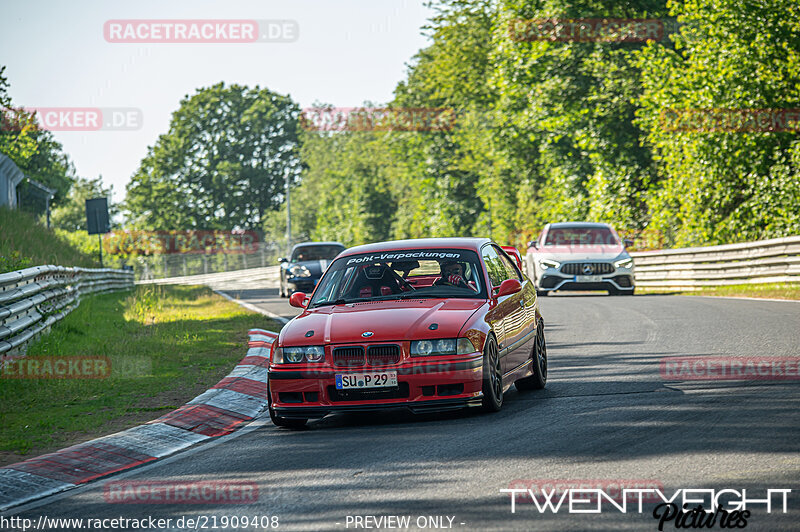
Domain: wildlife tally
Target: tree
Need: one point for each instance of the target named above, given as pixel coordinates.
(721, 186)
(570, 139)
(16, 130)
(34, 151)
(222, 164)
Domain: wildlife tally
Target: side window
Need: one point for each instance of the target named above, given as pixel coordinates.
(511, 268)
(494, 266)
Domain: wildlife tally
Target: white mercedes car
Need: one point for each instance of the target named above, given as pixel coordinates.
(580, 256)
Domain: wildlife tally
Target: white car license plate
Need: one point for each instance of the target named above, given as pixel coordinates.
(588, 279)
(376, 379)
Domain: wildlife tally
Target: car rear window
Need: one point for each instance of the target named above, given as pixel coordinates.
(315, 253)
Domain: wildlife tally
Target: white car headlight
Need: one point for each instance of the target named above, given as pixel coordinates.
(548, 263)
(446, 346)
(299, 271)
(624, 263)
(295, 355)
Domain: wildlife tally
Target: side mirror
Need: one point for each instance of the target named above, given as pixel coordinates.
(508, 287)
(533, 244)
(298, 299)
(628, 242)
(283, 259)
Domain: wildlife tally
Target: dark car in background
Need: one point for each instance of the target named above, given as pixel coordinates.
(302, 270)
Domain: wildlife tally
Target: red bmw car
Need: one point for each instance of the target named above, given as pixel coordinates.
(428, 325)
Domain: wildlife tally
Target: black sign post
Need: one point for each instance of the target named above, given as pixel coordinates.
(97, 220)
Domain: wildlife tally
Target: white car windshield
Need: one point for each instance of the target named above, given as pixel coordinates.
(581, 236)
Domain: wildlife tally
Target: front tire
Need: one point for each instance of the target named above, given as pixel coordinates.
(492, 376)
(538, 379)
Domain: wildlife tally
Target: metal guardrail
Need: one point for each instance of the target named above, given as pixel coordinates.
(764, 261)
(33, 299)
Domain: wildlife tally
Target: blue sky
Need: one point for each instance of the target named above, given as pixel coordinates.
(348, 52)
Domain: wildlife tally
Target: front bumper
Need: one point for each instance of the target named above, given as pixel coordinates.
(556, 281)
(568, 276)
(423, 386)
(302, 284)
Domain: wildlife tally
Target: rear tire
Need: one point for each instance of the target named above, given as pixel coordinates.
(538, 380)
(492, 376)
(542, 293)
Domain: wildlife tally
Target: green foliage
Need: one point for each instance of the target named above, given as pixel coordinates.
(25, 242)
(13, 260)
(17, 133)
(222, 164)
(718, 187)
(166, 344)
(35, 152)
(554, 131)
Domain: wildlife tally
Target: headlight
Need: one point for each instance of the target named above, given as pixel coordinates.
(547, 263)
(299, 271)
(624, 263)
(295, 355)
(445, 346)
(315, 353)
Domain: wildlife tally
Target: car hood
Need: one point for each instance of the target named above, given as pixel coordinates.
(389, 321)
(573, 253)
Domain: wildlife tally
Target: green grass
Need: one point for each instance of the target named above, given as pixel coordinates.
(166, 345)
(766, 291)
(25, 242)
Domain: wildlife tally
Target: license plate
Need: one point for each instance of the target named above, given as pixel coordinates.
(376, 379)
(588, 278)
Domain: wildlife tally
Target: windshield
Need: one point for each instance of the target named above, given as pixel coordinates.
(411, 274)
(581, 236)
(306, 253)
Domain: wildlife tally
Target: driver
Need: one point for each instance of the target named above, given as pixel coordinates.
(452, 274)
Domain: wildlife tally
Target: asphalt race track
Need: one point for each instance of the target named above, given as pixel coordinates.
(606, 415)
